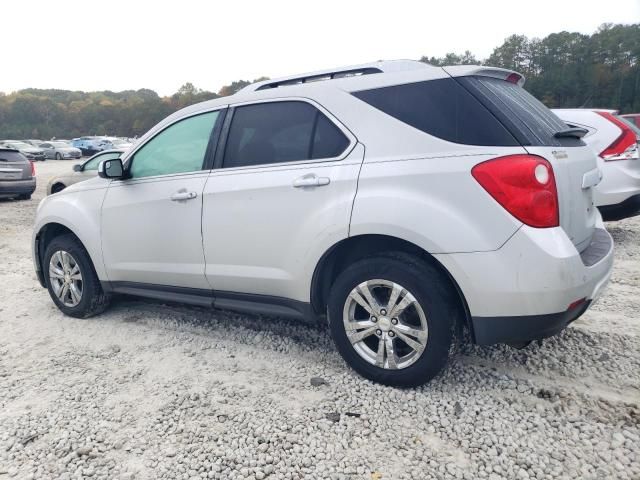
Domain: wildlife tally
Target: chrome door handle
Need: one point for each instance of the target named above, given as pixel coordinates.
(311, 181)
(183, 195)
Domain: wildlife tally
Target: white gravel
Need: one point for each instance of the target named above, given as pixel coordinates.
(166, 391)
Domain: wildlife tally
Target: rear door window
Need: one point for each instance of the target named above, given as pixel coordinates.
(277, 132)
(442, 108)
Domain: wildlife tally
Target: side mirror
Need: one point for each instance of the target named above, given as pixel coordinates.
(111, 169)
(77, 167)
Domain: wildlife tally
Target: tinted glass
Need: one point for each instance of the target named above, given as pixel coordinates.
(94, 162)
(179, 148)
(328, 141)
(442, 108)
(526, 117)
(281, 132)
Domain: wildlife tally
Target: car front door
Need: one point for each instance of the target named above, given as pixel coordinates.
(283, 187)
(151, 221)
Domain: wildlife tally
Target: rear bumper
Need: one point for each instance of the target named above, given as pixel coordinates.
(490, 330)
(17, 187)
(629, 208)
(524, 290)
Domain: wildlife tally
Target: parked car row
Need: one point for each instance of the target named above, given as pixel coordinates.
(398, 201)
(91, 145)
(64, 149)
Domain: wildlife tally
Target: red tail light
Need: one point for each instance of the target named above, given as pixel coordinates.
(625, 146)
(33, 169)
(524, 185)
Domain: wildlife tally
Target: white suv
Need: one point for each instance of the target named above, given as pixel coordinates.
(615, 140)
(401, 200)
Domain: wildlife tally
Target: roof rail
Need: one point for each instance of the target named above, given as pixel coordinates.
(354, 72)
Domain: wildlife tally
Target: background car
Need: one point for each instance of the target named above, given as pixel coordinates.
(17, 175)
(29, 151)
(112, 142)
(33, 142)
(81, 172)
(88, 145)
(60, 150)
(633, 117)
(615, 142)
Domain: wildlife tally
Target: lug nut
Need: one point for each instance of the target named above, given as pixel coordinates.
(383, 312)
(374, 319)
(394, 321)
(378, 332)
(391, 334)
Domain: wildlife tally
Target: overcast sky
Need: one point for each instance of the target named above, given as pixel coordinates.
(119, 45)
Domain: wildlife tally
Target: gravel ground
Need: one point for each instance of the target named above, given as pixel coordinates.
(149, 390)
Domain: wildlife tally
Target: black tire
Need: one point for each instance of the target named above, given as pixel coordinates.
(25, 196)
(433, 293)
(58, 156)
(58, 187)
(93, 299)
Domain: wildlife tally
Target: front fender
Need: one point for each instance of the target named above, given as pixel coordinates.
(77, 211)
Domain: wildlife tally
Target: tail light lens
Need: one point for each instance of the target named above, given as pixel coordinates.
(524, 185)
(33, 169)
(625, 147)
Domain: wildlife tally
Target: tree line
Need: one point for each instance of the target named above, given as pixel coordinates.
(563, 70)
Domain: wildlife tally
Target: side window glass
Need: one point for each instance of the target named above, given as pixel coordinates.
(329, 141)
(179, 148)
(277, 132)
(94, 162)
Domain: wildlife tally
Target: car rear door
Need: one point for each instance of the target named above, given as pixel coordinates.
(285, 184)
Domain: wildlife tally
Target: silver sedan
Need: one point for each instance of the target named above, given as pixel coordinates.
(60, 150)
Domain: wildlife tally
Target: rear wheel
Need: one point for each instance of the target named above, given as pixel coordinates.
(392, 318)
(71, 280)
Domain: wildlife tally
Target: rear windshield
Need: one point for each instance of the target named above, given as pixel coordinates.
(524, 116)
(442, 108)
(11, 156)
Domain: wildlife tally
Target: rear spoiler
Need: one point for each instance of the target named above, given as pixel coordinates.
(480, 70)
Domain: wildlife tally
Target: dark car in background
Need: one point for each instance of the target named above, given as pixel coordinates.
(17, 175)
(29, 151)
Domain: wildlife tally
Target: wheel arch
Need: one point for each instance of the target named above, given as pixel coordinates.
(351, 249)
(54, 186)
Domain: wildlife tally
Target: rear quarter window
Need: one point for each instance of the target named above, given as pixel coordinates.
(528, 119)
(442, 108)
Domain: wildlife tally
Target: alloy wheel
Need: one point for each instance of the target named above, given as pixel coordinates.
(65, 278)
(385, 324)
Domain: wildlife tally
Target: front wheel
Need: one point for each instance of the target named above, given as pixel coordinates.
(392, 318)
(71, 280)
(58, 156)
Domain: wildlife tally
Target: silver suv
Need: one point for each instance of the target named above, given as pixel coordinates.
(398, 200)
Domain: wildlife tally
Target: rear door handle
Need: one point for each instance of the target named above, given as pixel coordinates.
(311, 180)
(183, 195)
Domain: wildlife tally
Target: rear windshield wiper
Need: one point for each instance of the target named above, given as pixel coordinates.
(576, 132)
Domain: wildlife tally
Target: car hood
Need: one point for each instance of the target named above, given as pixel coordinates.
(31, 150)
